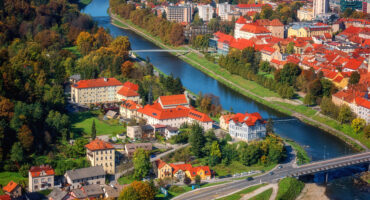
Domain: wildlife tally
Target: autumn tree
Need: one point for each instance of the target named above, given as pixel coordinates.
(25, 137)
(177, 35)
(144, 189)
(345, 114)
(141, 164)
(358, 124)
(354, 78)
(6, 108)
(85, 42)
(102, 38)
(127, 68)
(129, 193)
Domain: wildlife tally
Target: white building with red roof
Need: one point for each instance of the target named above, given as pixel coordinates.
(128, 109)
(361, 107)
(40, 178)
(173, 111)
(101, 153)
(129, 92)
(247, 127)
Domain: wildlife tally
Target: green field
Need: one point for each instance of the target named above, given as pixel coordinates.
(74, 50)
(237, 167)
(289, 189)
(82, 122)
(265, 195)
(6, 177)
(126, 179)
(239, 194)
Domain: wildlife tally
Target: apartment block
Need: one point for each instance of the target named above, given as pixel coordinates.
(182, 13)
(101, 153)
(40, 178)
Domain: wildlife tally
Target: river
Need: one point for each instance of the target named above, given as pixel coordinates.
(318, 144)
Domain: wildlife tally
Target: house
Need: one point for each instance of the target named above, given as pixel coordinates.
(111, 192)
(247, 127)
(171, 131)
(129, 92)
(111, 114)
(13, 190)
(90, 175)
(274, 26)
(356, 100)
(58, 194)
(173, 111)
(101, 153)
(179, 171)
(361, 107)
(92, 191)
(131, 148)
(249, 31)
(40, 178)
(128, 109)
(245, 8)
(267, 53)
(101, 90)
(224, 121)
(134, 132)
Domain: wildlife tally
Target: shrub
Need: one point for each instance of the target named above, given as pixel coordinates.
(176, 189)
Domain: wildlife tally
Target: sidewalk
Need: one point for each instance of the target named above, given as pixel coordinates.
(274, 187)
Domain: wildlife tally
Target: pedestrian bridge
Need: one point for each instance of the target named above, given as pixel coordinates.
(158, 50)
(325, 165)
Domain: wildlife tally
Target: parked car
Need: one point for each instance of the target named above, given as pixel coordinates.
(250, 178)
(271, 173)
(280, 166)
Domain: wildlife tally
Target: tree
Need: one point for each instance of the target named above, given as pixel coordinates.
(141, 164)
(290, 48)
(367, 131)
(25, 137)
(289, 73)
(17, 154)
(197, 140)
(129, 193)
(126, 68)
(309, 99)
(354, 78)
(6, 108)
(345, 114)
(358, 124)
(329, 108)
(197, 179)
(270, 126)
(93, 130)
(85, 42)
(187, 180)
(144, 189)
(177, 35)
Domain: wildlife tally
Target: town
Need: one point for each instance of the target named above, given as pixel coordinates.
(87, 111)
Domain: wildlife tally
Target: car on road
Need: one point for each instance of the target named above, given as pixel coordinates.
(280, 166)
(271, 173)
(250, 179)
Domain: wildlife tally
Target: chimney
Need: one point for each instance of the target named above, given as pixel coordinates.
(105, 79)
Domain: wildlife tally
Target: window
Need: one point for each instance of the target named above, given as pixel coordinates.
(35, 181)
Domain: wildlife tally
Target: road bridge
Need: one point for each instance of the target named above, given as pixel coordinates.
(158, 50)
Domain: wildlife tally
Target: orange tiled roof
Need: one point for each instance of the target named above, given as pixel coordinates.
(36, 170)
(131, 105)
(182, 167)
(362, 102)
(353, 64)
(98, 144)
(131, 86)
(241, 44)
(10, 187)
(160, 163)
(241, 20)
(248, 118)
(174, 99)
(266, 22)
(228, 117)
(252, 28)
(127, 92)
(99, 82)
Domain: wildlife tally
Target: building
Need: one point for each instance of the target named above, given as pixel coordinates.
(308, 30)
(101, 153)
(129, 92)
(173, 111)
(171, 131)
(40, 178)
(245, 8)
(224, 121)
(238, 25)
(222, 9)
(249, 31)
(320, 7)
(305, 13)
(58, 194)
(101, 90)
(93, 191)
(191, 31)
(180, 171)
(221, 42)
(182, 13)
(274, 26)
(85, 176)
(361, 107)
(353, 4)
(134, 132)
(131, 148)
(356, 100)
(205, 12)
(128, 109)
(247, 127)
(13, 190)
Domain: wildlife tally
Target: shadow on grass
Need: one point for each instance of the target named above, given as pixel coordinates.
(77, 118)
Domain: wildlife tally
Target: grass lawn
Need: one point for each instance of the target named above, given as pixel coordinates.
(82, 122)
(6, 177)
(237, 167)
(116, 22)
(239, 194)
(263, 196)
(289, 189)
(126, 179)
(74, 50)
(171, 195)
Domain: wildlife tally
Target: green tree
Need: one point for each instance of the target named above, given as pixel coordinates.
(93, 130)
(358, 124)
(345, 114)
(290, 48)
(270, 126)
(329, 108)
(354, 78)
(309, 100)
(289, 73)
(17, 154)
(129, 193)
(197, 140)
(141, 164)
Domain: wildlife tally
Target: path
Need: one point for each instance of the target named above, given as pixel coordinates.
(213, 74)
(274, 187)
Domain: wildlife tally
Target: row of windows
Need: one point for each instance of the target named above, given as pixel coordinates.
(87, 179)
(101, 158)
(104, 152)
(42, 180)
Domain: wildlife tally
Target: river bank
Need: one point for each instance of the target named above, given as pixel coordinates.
(312, 191)
(256, 92)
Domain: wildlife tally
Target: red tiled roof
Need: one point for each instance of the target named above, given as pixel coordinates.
(266, 22)
(241, 44)
(5, 197)
(338, 79)
(268, 49)
(182, 167)
(224, 38)
(160, 163)
(131, 105)
(131, 86)
(228, 117)
(249, 5)
(36, 170)
(98, 144)
(173, 99)
(127, 92)
(10, 187)
(241, 20)
(100, 82)
(251, 28)
(353, 64)
(194, 171)
(249, 119)
(362, 102)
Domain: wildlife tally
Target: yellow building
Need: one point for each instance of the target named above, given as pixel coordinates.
(179, 171)
(308, 30)
(101, 153)
(224, 121)
(203, 171)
